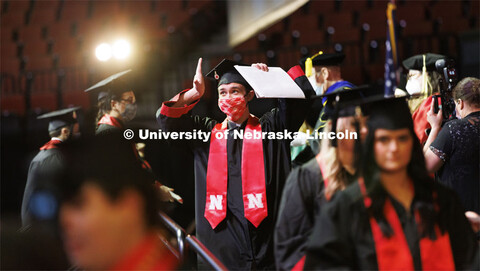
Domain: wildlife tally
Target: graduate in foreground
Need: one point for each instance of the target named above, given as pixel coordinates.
(238, 182)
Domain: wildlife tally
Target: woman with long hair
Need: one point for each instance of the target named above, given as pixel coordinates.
(395, 216)
(311, 185)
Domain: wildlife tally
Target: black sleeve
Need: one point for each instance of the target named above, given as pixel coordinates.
(181, 120)
(442, 145)
(41, 178)
(290, 113)
(330, 245)
(314, 112)
(294, 223)
(297, 109)
(462, 237)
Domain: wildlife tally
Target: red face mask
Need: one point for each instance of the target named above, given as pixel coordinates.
(233, 107)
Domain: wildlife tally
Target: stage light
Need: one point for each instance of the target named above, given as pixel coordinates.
(121, 49)
(103, 52)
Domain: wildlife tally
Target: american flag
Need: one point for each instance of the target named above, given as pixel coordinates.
(391, 52)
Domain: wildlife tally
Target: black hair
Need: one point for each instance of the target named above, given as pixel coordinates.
(105, 103)
(424, 187)
(56, 133)
(108, 161)
(468, 89)
(113, 92)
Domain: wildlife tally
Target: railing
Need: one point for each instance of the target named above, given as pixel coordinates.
(192, 243)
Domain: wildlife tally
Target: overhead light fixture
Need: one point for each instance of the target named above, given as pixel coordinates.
(103, 52)
(121, 49)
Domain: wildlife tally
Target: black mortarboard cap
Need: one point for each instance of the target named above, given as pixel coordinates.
(321, 59)
(60, 118)
(388, 113)
(342, 102)
(225, 73)
(116, 83)
(333, 59)
(416, 62)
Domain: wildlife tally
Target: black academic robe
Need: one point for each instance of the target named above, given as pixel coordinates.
(342, 237)
(235, 241)
(39, 199)
(302, 199)
(106, 129)
(114, 130)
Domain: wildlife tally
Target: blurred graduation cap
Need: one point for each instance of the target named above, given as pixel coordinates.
(389, 113)
(225, 73)
(343, 103)
(344, 100)
(321, 59)
(416, 62)
(117, 83)
(60, 118)
(385, 112)
(347, 102)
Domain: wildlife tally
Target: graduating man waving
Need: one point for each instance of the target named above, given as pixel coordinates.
(238, 181)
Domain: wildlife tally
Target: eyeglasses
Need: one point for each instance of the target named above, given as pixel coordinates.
(128, 101)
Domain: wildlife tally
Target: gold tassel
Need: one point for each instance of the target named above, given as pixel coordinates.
(309, 64)
(424, 77)
(308, 67)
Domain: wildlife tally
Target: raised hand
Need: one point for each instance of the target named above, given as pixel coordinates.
(198, 81)
(261, 66)
(193, 94)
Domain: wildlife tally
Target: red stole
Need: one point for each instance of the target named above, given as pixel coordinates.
(253, 175)
(107, 119)
(52, 144)
(393, 252)
(300, 264)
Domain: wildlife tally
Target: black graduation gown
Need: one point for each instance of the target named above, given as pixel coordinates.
(302, 198)
(106, 129)
(235, 241)
(116, 133)
(40, 191)
(342, 237)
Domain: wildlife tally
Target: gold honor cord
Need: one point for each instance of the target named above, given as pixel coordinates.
(424, 79)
